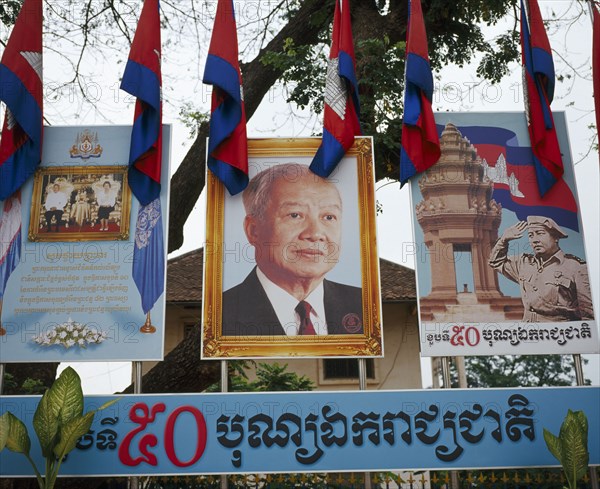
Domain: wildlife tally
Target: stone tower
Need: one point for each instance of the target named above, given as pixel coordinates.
(458, 214)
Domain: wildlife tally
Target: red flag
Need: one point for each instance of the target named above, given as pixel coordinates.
(342, 106)
(21, 91)
(543, 63)
(596, 64)
(227, 142)
(538, 79)
(142, 79)
(420, 142)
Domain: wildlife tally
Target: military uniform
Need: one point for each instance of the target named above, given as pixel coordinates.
(555, 290)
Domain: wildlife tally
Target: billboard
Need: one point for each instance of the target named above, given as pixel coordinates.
(291, 263)
(500, 269)
(182, 434)
(72, 295)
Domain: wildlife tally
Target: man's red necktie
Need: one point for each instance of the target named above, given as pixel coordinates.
(306, 326)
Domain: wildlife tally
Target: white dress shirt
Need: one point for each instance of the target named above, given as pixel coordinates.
(285, 305)
(106, 199)
(55, 199)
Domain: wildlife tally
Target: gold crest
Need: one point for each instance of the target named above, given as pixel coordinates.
(86, 146)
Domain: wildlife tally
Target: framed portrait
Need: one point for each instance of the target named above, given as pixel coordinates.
(500, 269)
(80, 203)
(291, 262)
(89, 282)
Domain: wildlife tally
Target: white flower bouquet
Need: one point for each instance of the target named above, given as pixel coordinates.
(71, 334)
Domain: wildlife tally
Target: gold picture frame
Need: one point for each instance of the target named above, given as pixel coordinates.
(368, 343)
(79, 214)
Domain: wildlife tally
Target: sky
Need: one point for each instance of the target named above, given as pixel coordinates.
(456, 89)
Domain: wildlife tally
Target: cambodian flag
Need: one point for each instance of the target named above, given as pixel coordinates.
(149, 254)
(342, 107)
(420, 142)
(10, 238)
(538, 82)
(510, 165)
(142, 79)
(228, 143)
(596, 63)
(21, 91)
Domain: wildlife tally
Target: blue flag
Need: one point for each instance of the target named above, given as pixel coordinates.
(21, 91)
(538, 78)
(149, 254)
(142, 78)
(342, 107)
(420, 143)
(10, 239)
(228, 142)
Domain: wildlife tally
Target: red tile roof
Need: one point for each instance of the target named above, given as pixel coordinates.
(184, 279)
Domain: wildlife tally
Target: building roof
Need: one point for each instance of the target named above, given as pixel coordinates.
(397, 282)
(184, 279)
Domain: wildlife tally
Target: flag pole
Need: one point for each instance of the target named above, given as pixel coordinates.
(2, 370)
(362, 385)
(224, 388)
(148, 327)
(2, 330)
(134, 482)
(448, 385)
(581, 381)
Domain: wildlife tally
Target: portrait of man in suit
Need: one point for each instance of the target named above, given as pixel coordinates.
(293, 221)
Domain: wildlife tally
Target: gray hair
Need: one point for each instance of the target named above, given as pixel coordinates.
(256, 195)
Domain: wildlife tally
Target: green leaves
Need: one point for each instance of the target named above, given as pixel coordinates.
(62, 403)
(270, 377)
(58, 422)
(66, 396)
(45, 423)
(495, 62)
(574, 433)
(570, 446)
(4, 428)
(17, 439)
(9, 10)
(275, 378)
(554, 445)
(71, 432)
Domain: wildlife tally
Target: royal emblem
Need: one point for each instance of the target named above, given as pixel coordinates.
(351, 323)
(86, 146)
(147, 220)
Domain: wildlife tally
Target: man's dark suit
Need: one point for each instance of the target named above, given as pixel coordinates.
(247, 310)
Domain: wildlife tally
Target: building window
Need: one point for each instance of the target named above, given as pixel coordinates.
(346, 369)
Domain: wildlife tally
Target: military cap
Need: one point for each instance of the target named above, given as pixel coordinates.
(548, 223)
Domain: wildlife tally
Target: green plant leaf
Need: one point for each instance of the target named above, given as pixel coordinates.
(18, 440)
(66, 396)
(45, 423)
(581, 420)
(71, 432)
(553, 444)
(4, 429)
(575, 456)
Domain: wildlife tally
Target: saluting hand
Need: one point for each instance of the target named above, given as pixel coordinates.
(515, 231)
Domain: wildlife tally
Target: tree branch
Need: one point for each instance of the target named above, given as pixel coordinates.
(189, 179)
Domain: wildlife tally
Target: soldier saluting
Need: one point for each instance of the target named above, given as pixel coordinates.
(554, 285)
